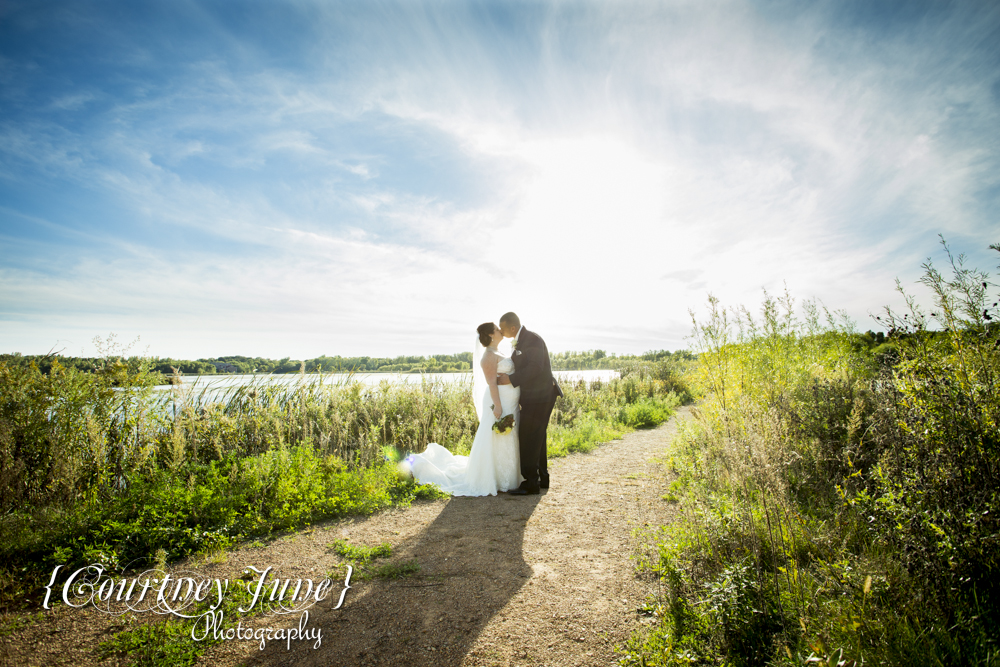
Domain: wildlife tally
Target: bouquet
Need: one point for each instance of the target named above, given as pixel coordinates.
(504, 424)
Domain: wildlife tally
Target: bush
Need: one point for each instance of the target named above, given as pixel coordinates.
(648, 412)
(837, 492)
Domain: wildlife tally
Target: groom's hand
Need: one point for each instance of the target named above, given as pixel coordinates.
(502, 378)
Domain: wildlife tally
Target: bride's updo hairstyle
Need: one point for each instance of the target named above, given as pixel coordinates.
(485, 331)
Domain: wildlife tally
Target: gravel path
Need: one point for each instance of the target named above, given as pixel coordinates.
(505, 580)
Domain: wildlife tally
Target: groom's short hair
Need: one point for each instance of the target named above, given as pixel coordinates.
(512, 319)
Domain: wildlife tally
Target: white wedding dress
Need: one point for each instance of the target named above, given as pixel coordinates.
(493, 463)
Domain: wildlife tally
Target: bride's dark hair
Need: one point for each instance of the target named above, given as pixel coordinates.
(485, 331)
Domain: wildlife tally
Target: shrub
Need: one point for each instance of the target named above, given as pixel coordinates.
(837, 492)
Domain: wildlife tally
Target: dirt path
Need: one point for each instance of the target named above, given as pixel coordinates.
(530, 580)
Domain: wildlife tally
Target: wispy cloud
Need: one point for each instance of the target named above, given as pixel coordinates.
(396, 174)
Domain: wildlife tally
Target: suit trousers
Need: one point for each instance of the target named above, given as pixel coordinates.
(533, 439)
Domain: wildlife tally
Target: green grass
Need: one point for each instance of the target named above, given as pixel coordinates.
(834, 491)
(157, 644)
(168, 643)
(11, 623)
(361, 555)
(583, 436)
(96, 468)
(213, 506)
(362, 558)
(395, 570)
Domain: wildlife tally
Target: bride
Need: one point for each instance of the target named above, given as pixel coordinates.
(493, 464)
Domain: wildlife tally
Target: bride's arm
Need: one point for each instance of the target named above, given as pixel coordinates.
(489, 364)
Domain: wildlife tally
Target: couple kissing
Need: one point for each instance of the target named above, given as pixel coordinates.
(512, 460)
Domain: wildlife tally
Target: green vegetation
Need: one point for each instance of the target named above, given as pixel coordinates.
(837, 492)
(599, 359)
(362, 559)
(97, 467)
(438, 363)
(591, 413)
(160, 369)
(396, 570)
(361, 555)
(155, 643)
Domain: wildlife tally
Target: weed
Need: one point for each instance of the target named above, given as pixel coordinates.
(361, 555)
(395, 570)
(836, 491)
(362, 558)
(169, 642)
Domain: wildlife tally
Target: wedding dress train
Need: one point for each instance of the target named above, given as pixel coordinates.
(493, 463)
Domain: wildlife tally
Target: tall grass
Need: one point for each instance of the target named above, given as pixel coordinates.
(838, 500)
(99, 467)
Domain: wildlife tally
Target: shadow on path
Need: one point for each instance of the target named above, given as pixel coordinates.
(471, 566)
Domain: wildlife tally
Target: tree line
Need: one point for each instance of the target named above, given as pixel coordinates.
(438, 363)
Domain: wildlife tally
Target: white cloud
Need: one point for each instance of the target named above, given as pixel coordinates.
(597, 175)
(358, 170)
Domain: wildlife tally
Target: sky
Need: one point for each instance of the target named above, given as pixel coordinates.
(366, 178)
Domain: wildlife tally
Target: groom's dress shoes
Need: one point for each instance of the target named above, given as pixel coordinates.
(525, 490)
(543, 481)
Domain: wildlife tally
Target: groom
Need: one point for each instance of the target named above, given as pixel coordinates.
(539, 389)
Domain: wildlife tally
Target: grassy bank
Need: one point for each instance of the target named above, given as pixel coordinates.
(97, 467)
(838, 496)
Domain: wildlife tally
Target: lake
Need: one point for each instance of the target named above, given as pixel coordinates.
(219, 382)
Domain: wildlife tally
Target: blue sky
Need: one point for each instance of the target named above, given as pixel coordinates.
(306, 178)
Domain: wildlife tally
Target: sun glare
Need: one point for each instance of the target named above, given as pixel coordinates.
(586, 191)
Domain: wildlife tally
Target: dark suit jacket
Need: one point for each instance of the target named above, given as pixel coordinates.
(532, 370)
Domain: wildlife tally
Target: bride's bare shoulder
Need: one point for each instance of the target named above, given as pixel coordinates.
(490, 359)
